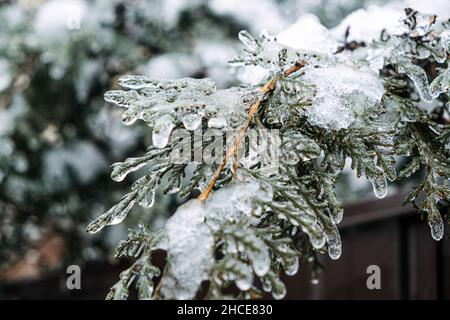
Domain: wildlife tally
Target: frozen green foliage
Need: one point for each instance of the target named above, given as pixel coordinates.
(364, 104)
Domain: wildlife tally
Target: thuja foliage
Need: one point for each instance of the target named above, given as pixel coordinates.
(254, 220)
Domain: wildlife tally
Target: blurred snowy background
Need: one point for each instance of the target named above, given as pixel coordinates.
(57, 135)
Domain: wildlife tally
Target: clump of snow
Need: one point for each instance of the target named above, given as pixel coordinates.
(190, 251)
(366, 24)
(342, 93)
(308, 34)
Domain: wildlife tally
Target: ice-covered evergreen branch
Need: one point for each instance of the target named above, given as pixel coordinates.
(275, 204)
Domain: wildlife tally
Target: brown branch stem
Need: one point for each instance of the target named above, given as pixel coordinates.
(254, 108)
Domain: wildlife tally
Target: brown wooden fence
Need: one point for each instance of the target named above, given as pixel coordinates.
(378, 232)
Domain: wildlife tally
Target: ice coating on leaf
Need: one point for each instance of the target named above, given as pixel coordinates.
(342, 93)
(148, 199)
(162, 129)
(113, 216)
(234, 201)
(190, 251)
(445, 40)
(245, 282)
(418, 77)
(269, 54)
(293, 267)
(337, 216)
(278, 290)
(441, 84)
(187, 100)
(122, 169)
(316, 235)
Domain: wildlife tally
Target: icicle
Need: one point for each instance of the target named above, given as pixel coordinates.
(162, 130)
(436, 224)
(333, 241)
(379, 184)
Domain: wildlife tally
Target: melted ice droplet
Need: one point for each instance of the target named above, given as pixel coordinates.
(191, 120)
(266, 285)
(292, 268)
(279, 291)
(379, 184)
(436, 224)
(217, 123)
(162, 129)
(418, 77)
